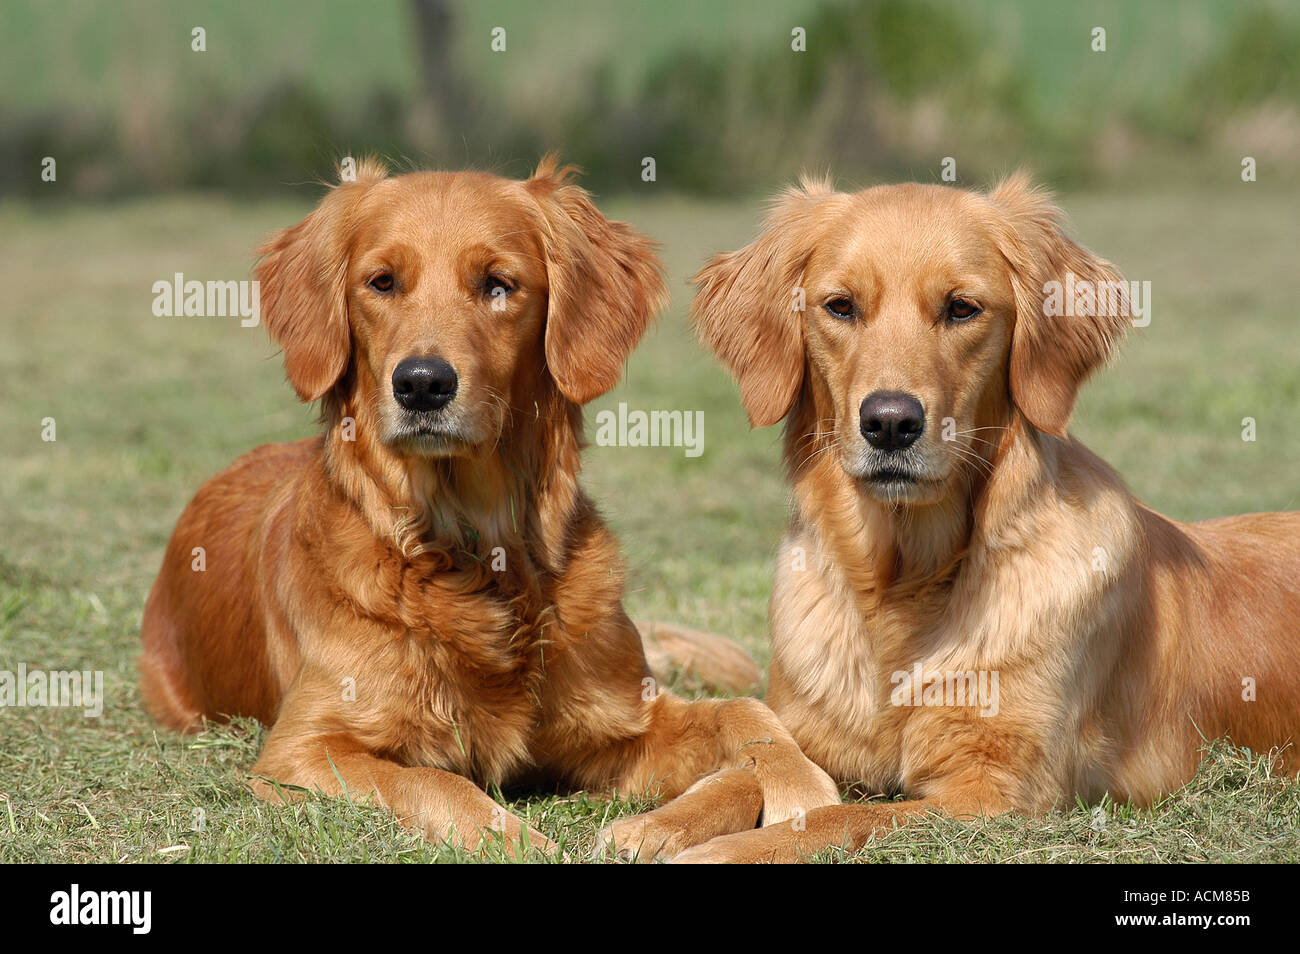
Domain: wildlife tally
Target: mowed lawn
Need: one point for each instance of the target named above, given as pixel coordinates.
(147, 408)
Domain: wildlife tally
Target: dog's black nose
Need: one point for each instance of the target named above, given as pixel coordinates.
(891, 420)
(424, 384)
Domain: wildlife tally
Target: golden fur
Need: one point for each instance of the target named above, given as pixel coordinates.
(1122, 639)
(422, 609)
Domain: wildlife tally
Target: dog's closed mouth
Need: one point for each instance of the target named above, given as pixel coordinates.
(893, 475)
(426, 429)
(425, 439)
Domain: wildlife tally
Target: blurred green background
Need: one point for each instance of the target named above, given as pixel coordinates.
(711, 90)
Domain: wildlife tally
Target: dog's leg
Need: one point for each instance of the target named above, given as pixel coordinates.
(446, 807)
(687, 740)
(838, 826)
(969, 765)
(718, 804)
(699, 659)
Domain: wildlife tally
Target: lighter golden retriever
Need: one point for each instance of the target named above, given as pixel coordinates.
(421, 602)
(969, 607)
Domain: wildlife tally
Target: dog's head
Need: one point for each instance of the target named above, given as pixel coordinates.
(915, 318)
(444, 301)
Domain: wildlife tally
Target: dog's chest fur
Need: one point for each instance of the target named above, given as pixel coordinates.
(455, 665)
(839, 657)
(827, 679)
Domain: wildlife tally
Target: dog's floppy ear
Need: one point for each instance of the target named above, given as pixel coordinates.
(303, 287)
(746, 309)
(606, 283)
(1072, 308)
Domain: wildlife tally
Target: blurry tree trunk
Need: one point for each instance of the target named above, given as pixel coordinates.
(443, 90)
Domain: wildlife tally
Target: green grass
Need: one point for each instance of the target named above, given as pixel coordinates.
(147, 408)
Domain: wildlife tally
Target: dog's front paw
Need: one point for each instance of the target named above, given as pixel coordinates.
(790, 796)
(641, 839)
(776, 844)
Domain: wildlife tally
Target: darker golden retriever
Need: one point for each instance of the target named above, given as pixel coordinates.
(970, 608)
(421, 601)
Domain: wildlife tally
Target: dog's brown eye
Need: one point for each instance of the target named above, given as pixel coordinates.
(383, 282)
(840, 307)
(962, 309)
(496, 287)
